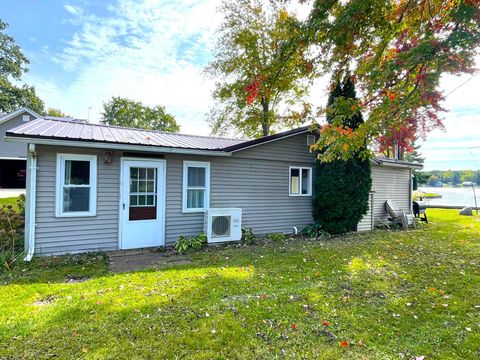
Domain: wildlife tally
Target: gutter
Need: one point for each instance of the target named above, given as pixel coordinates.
(115, 146)
(30, 202)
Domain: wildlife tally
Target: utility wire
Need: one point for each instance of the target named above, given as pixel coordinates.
(459, 86)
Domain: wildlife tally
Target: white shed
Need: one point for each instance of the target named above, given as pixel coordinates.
(391, 180)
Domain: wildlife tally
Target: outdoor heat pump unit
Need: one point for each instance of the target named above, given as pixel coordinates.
(222, 225)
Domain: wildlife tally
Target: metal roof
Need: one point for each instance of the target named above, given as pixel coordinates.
(78, 131)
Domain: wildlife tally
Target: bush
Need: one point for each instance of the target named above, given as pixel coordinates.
(276, 237)
(342, 187)
(11, 235)
(183, 244)
(315, 231)
(248, 237)
(21, 205)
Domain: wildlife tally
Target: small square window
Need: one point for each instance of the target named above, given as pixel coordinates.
(26, 118)
(76, 185)
(196, 186)
(300, 181)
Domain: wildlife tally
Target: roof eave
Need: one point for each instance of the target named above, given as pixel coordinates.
(112, 146)
(268, 139)
(397, 163)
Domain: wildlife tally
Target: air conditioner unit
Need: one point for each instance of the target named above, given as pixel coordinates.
(222, 225)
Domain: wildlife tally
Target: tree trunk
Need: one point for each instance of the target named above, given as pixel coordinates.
(265, 118)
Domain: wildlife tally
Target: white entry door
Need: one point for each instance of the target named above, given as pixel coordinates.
(142, 204)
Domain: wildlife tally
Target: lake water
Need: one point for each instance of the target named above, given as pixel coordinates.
(452, 196)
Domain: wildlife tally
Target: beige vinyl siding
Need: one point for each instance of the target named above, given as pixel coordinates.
(366, 223)
(12, 149)
(259, 187)
(254, 179)
(390, 183)
(76, 234)
(293, 148)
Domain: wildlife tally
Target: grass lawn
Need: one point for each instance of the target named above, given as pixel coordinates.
(388, 295)
(9, 201)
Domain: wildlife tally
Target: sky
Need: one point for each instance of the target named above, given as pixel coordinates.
(83, 52)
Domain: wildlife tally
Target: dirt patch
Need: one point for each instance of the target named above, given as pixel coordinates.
(131, 261)
(76, 279)
(45, 301)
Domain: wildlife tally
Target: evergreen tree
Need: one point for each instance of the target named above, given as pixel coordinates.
(342, 187)
(456, 178)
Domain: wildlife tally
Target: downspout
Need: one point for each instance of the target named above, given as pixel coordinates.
(30, 202)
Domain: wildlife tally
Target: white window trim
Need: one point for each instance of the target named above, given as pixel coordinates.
(60, 183)
(186, 165)
(300, 168)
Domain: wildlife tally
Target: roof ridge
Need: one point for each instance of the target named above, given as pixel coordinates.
(148, 130)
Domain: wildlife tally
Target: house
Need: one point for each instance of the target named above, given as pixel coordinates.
(94, 187)
(13, 156)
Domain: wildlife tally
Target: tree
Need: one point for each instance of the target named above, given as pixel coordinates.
(258, 78)
(477, 178)
(129, 113)
(456, 178)
(397, 52)
(467, 175)
(13, 64)
(56, 112)
(342, 187)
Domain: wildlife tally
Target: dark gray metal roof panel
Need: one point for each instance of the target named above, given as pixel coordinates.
(79, 131)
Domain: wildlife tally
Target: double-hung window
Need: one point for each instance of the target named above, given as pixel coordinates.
(196, 186)
(300, 181)
(76, 193)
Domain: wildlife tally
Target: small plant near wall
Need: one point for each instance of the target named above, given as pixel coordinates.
(248, 237)
(184, 244)
(11, 234)
(276, 237)
(315, 231)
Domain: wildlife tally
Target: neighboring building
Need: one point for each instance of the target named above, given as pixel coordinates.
(13, 156)
(95, 187)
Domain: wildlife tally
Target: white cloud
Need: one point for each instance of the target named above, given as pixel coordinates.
(149, 51)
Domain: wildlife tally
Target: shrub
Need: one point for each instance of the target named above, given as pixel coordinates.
(315, 231)
(11, 235)
(276, 237)
(342, 187)
(183, 244)
(248, 237)
(21, 205)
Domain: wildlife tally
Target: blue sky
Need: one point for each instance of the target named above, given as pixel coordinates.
(83, 52)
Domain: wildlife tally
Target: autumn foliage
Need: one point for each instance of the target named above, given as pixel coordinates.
(397, 52)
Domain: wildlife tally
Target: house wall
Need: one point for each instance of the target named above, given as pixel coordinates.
(76, 234)
(390, 183)
(255, 180)
(12, 149)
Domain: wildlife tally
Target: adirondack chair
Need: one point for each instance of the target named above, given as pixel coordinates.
(399, 216)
